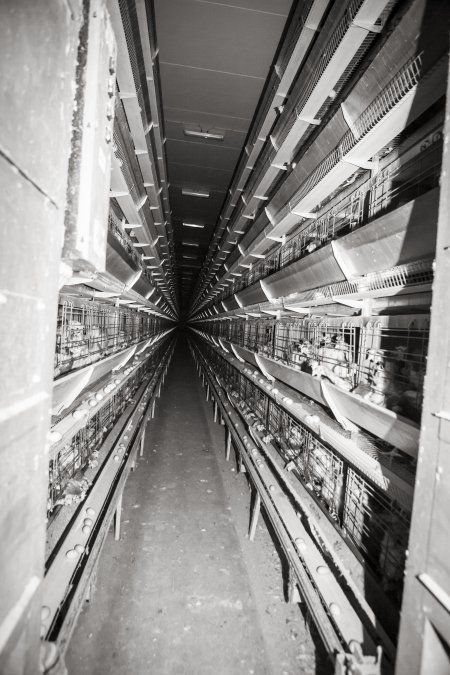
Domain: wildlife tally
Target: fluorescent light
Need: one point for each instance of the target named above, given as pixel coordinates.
(190, 192)
(131, 226)
(141, 245)
(190, 243)
(203, 134)
(190, 257)
(193, 225)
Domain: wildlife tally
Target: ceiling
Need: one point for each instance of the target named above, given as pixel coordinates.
(214, 59)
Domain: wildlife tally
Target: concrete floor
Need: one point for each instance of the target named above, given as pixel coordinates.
(180, 594)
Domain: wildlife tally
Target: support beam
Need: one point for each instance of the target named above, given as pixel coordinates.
(118, 517)
(141, 447)
(255, 515)
(228, 446)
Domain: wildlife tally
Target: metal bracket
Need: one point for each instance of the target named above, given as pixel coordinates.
(358, 664)
(368, 26)
(309, 120)
(356, 161)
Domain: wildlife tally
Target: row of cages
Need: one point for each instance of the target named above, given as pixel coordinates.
(88, 331)
(382, 359)
(375, 525)
(68, 482)
(405, 178)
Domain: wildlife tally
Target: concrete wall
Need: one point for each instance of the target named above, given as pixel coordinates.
(38, 41)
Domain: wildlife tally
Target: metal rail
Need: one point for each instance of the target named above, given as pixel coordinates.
(347, 214)
(342, 630)
(73, 563)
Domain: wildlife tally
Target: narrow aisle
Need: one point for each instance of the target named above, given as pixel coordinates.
(173, 596)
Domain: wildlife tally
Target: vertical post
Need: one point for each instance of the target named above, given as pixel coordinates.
(88, 596)
(228, 449)
(141, 449)
(255, 515)
(216, 410)
(293, 592)
(207, 392)
(118, 517)
(424, 636)
(242, 468)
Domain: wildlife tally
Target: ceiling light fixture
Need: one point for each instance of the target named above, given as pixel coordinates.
(208, 135)
(193, 225)
(190, 192)
(190, 243)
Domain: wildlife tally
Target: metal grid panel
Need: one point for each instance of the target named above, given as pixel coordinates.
(318, 466)
(382, 360)
(88, 331)
(332, 44)
(395, 185)
(379, 528)
(67, 469)
(375, 524)
(392, 364)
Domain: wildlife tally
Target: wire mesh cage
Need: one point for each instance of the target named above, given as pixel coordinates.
(320, 468)
(379, 528)
(88, 331)
(250, 335)
(406, 172)
(382, 360)
(392, 363)
(67, 480)
(375, 525)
